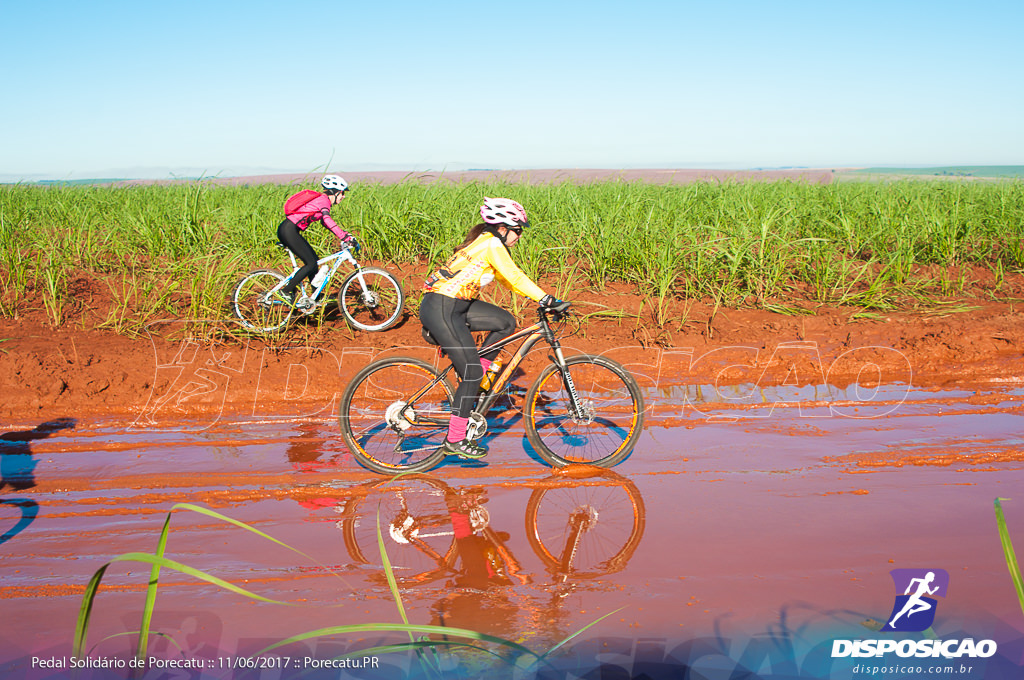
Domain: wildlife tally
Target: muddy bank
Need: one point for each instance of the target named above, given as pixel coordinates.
(176, 368)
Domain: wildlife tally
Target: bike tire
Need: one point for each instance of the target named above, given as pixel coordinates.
(413, 503)
(602, 542)
(250, 306)
(606, 434)
(376, 307)
(374, 396)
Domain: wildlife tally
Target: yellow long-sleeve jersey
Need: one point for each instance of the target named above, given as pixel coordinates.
(475, 266)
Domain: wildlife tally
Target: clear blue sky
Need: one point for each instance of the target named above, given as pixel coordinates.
(142, 88)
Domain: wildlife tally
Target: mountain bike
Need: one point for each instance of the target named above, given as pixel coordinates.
(370, 298)
(582, 526)
(580, 409)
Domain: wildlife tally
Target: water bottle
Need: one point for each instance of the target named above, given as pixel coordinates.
(492, 372)
(320, 276)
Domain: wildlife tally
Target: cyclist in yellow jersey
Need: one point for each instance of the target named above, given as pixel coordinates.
(451, 310)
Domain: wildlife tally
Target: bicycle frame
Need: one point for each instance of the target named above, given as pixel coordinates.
(343, 255)
(530, 337)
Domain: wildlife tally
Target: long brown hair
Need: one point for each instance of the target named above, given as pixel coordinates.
(474, 234)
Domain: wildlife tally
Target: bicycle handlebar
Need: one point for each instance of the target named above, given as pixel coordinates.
(554, 314)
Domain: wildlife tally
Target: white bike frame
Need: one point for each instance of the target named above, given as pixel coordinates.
(343, 255)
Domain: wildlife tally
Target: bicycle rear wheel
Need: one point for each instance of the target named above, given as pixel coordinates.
(256, 307)
(394, 415)
(373, 303)
(415, 525)
(604, 432)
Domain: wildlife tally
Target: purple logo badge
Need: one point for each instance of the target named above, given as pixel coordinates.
(914, 609)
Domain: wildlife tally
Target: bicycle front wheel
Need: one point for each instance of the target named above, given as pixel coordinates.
(585, 527)
(394, 415)
(256, 306)
(371, 299)
(607, 424)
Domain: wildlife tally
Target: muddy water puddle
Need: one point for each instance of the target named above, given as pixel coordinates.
(742, 513)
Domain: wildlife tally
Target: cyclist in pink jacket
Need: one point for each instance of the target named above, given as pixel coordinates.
(316, 209)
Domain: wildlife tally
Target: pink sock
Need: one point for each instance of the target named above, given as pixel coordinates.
(457, 428)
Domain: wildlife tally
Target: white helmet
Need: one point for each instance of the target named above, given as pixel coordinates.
(333, 183)
(503, 211)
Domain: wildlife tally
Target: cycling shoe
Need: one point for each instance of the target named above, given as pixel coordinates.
(463, 449)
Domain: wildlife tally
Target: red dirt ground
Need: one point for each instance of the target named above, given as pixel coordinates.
(49, 372)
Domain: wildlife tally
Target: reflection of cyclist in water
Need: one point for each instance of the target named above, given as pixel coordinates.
(478, 597)
(582, 524)
(915, 603)
(17, 467)
(482, 565)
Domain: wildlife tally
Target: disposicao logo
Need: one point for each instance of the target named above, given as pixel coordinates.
(913, 612)
(914, 609)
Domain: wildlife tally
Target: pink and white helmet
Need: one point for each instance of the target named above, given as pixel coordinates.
(503, 211)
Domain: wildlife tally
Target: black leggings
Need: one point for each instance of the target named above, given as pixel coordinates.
(290, 235)
(451, 321)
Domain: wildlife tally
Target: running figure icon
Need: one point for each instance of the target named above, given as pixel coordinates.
(915, 603)
(914, 609)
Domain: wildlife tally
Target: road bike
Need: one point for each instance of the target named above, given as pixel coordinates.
(580, 409)
(370, 299)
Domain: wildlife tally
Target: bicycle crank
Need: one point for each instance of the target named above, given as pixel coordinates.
(477, 426)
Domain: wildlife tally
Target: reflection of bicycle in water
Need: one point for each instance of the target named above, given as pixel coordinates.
(583, 523)
(582, 526)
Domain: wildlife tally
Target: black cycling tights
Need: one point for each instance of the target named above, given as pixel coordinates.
(290, 235)
(450, 321)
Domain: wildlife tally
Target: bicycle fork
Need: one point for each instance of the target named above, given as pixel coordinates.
(577, 411)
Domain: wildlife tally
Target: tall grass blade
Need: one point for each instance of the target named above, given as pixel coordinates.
(389, 573)
(151, 588)
(405, 628)
(582, 630)
(396, 594)
(81, 628)
(158, 561)
(1011, 557)
(242, 525)
(85, 611)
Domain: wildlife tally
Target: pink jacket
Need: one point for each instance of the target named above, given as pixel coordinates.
(317, 210)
